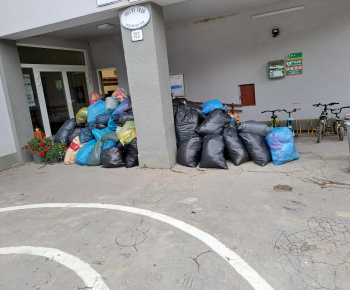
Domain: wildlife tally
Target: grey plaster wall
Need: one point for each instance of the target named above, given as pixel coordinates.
(109, 52)
(13, 91)
(218, 55)
(148, 73)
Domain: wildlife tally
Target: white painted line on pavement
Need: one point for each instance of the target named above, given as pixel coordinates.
(247, 272)
(91, 278)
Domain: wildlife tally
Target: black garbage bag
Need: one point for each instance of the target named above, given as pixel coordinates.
(113, 158)
(128, 116)
(177, 102)
(64, 132)
(186, 122)
(100, 126)
(95, 156)
(198, 108)
(129, 108)
(131, 154)
(214, 123)
(213, 152)
(76, 132)
(190, 151)
(254, 127)
(86, 135)
(257, 148)
(235, 148)
(102, 119)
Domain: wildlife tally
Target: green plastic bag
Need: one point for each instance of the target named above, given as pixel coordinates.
(95, 156)
(127, 133)
(81, 117)
(110, 136)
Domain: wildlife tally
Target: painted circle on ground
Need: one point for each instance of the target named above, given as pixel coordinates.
(247, 272)
(91, 278)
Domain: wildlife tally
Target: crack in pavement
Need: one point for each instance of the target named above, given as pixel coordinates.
(134, 236)
(317, 258)
(196, 261)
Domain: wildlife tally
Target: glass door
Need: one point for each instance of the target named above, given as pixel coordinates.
(78, 90)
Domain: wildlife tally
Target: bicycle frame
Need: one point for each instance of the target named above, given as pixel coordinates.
(321, 128)
(274, 121)
(289, 123)
(337, 127)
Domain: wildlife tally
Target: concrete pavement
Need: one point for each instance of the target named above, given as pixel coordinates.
(289, 223)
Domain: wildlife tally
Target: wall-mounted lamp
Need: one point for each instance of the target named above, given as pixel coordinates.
(275, 32)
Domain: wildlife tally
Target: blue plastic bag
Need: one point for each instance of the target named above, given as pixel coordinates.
(207, 107)
(281, 144)
(85, 134)
(96, 109)
(85, 152)
(112, 123)
(233, 122)
(121, 108)
(109, 144)
(99, 133)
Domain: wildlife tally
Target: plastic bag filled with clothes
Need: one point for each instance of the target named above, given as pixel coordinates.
(254, 127)
(214, 123)
(235, 148)
(111, 104)
(257, 148)
(190, 152)
(96, 109)
(64, 132)
(186, 123)
(127, 133)
(113, 158)
(81, 117)
(72, 151)
(131, 154)
(207, 107)
(120, 95)
(282, 146)
(84, 153)
(213, 152)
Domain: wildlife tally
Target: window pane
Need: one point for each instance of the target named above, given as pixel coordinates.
(78, 90)
(39, 55)
(55, 99)
(32, 98)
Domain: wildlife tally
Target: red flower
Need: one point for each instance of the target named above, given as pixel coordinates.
(34, 151)
(46, 147)
(42, 153)
(25, 146)
(50, 147)
(31, 148)
(41, 143)
(22, 148)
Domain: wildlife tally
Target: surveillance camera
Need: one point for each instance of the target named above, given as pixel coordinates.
(275, 32)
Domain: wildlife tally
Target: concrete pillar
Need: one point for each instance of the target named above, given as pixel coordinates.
(15, 96)
(149, 84)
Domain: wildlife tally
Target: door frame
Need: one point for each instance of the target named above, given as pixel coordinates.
(37, 69)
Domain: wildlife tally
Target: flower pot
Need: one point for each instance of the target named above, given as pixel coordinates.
(37, 158)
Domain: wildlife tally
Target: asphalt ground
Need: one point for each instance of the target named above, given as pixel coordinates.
(249, 227)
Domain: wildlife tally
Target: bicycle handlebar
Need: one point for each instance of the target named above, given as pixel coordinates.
(335, 110)
(325, 105)
(289, 112)
(271, 111)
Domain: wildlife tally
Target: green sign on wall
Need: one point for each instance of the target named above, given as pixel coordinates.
(294, 64)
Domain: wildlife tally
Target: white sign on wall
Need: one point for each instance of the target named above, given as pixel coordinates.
(106, 2)
(29, 90)
(135, 17)
(177, 86)
(136, 35)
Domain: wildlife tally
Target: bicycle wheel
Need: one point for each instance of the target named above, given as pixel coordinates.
(341, 133)
(320, 132)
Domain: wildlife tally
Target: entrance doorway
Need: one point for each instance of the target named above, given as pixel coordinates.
(55, 95)
(108, 81)
(57, 84)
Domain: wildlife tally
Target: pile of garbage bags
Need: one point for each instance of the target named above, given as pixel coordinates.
(102, 134)
(208, 136)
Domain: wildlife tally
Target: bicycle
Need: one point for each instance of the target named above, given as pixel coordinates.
(274, 121)
(337, 127)
(289, 123)
(321, 128)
